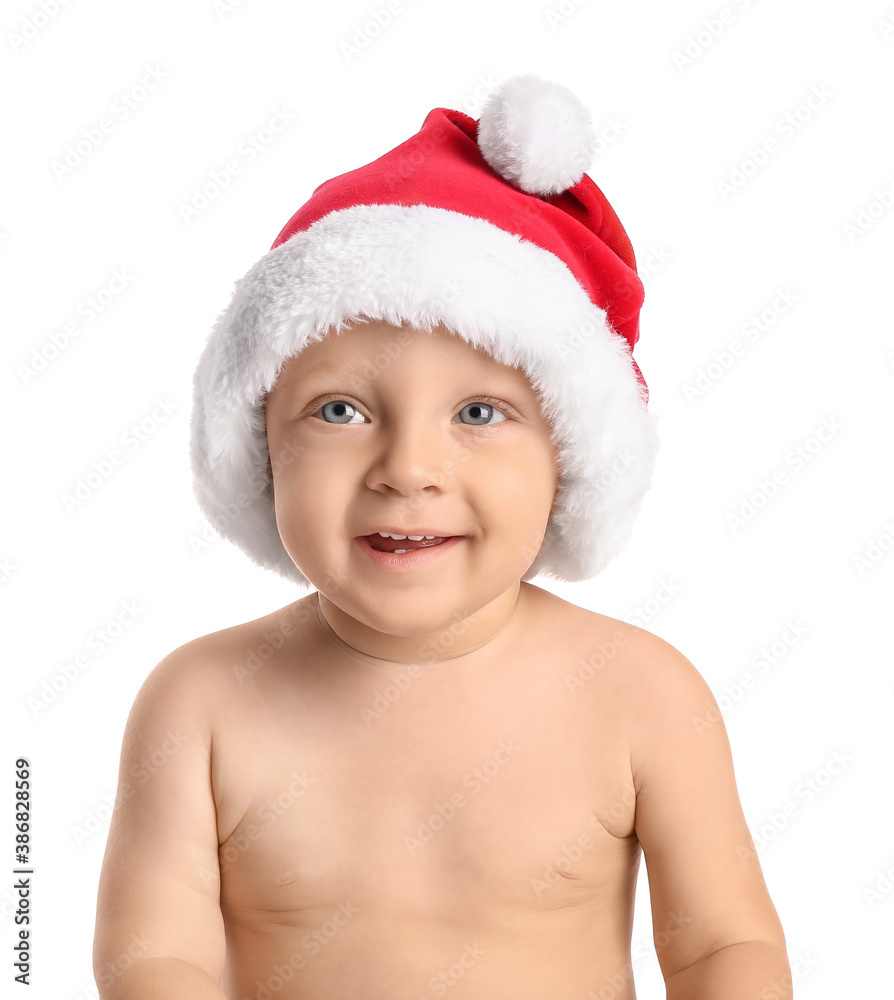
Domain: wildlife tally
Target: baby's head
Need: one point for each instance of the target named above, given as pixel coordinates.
(415, 433)
(475, 261)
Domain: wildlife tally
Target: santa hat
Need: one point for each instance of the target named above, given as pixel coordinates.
(492, 229)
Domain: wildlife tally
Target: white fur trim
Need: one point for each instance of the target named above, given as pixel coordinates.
(536, 134)
(424, 266)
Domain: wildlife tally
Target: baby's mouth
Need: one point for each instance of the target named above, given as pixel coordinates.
(388, 544)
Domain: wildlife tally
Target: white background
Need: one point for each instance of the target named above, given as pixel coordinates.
(810, 221)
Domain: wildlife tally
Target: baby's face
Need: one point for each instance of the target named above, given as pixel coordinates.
(382, 428)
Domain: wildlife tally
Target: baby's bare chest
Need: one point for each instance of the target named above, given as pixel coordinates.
(423, 796)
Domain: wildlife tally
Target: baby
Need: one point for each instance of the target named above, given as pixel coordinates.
(430, 777)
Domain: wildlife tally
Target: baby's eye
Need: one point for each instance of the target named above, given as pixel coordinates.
(481, 412)
(341, 411)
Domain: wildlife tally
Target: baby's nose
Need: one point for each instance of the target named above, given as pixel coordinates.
(413, 458)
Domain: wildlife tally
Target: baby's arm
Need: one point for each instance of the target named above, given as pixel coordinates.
(716, 931)
(159, 929)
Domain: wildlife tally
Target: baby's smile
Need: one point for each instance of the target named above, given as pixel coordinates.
(392, 552)
(383, 541)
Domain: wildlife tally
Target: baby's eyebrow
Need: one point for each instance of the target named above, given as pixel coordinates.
(359, 370)
(334, 370)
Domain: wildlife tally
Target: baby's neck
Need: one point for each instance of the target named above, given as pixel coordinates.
(462, 639)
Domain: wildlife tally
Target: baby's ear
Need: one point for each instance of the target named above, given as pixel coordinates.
(552, 509)
(558, 469)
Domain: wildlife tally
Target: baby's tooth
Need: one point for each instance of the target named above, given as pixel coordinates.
(415, 538)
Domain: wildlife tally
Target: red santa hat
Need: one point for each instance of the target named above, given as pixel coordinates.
(493, 230)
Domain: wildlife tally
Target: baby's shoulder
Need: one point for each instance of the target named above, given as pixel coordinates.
(648, 666)
(204, 675)
(662, 694)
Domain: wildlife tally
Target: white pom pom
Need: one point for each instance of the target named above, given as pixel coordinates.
(536, 134)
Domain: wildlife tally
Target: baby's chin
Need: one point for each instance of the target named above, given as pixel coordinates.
(418, 629)
(414, 615)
